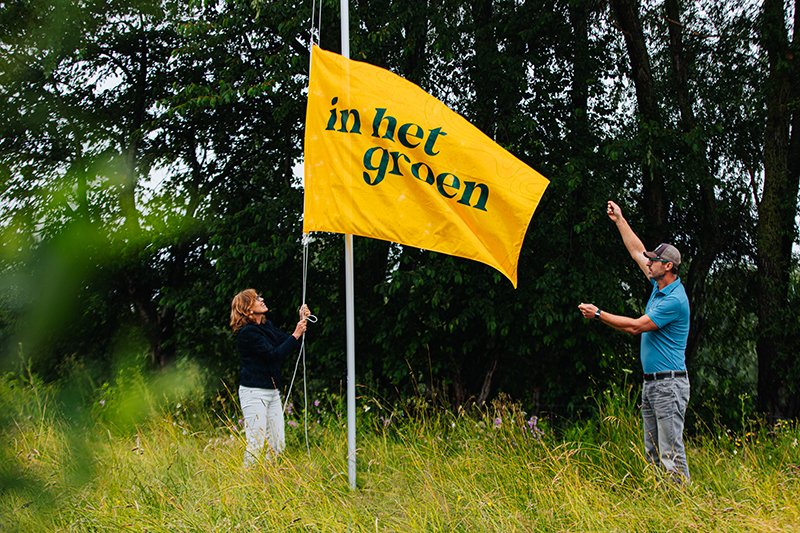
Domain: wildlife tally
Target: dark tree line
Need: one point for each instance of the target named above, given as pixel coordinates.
(148, 157)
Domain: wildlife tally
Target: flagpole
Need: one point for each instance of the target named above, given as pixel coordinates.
(348, 275)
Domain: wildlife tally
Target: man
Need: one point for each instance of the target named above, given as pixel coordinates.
(664, 329)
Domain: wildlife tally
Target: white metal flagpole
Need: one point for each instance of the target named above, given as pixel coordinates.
(348, 275)
(351, 362)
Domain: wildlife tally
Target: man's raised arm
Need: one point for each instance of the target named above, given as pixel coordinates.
(629, 238)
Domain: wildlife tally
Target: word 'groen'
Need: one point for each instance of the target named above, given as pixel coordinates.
(379, 161)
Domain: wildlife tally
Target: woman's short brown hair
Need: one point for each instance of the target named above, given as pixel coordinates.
(241, 307)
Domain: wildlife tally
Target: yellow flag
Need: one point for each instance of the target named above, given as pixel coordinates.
(385, 159)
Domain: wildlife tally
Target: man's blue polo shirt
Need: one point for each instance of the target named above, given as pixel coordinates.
(665, 348)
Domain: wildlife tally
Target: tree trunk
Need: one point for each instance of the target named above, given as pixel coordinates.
(794, 96)
(486, 386)
(707, 239)
(776, 214)
(653, 191)
(127, 195)
(459, 388)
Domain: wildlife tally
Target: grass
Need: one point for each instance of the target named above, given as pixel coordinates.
(176, 467)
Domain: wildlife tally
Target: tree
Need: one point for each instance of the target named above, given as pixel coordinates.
(777, 211)
(119, 90)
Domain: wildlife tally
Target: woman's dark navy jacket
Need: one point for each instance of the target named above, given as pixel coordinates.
(262, 349)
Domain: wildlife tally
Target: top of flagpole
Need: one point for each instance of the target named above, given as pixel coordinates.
(344, 6)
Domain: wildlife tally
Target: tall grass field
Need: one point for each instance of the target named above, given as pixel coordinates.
(128, 457)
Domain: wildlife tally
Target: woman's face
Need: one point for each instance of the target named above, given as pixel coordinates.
(259, 307)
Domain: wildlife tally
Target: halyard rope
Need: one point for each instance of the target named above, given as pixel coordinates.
(314, 36)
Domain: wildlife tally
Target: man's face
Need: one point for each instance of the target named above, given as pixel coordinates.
(657, 268)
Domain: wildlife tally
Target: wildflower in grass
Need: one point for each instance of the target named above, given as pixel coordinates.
(316, 403)
(290, 408)
(293, 423)
(498, 422)
(534, 428)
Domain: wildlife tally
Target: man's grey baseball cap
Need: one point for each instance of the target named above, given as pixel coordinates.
(665, 252)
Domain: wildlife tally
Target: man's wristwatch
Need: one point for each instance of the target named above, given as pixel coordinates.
(597, 314)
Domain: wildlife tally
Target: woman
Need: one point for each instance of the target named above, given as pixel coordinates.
(262, 349)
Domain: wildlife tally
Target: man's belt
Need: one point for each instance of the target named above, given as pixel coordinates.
(665, 375)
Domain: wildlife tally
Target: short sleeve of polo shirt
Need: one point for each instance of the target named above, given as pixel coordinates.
(664, 310)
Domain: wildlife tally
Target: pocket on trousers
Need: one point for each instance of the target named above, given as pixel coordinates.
(665, 399)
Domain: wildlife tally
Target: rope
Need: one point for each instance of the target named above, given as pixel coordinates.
(314, 37)
(316, 23)
(302, 355)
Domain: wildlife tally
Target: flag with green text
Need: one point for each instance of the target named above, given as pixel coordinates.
(384, 159)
